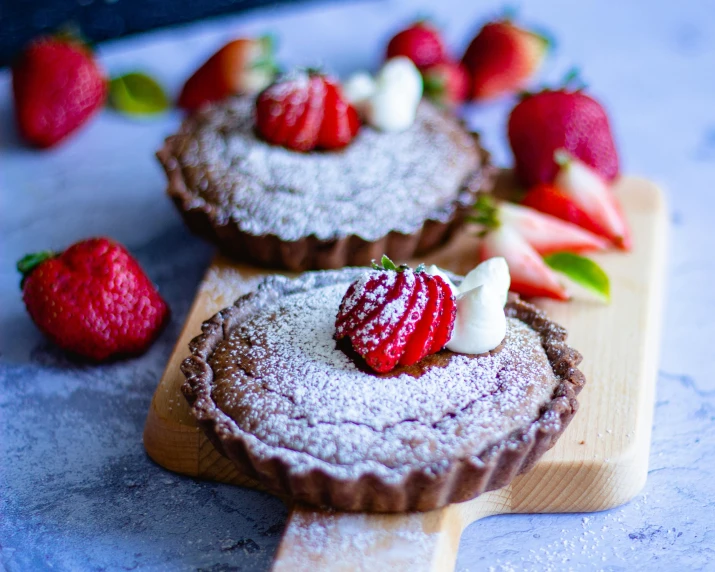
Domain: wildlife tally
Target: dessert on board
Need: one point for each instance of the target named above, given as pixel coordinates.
(305, 186)
(339, 388)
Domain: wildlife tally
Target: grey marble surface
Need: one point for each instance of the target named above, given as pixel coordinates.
(76, 489)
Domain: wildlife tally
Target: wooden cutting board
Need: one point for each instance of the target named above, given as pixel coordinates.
(600, 462)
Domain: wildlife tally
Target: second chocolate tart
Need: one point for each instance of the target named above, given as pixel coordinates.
(398, 194)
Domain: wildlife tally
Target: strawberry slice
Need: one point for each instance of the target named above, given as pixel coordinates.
(308, 126)
(419, 344)
(552, 201)
(591, 193)
(380, 325)
(547, 234)
(340, 121)
(387, 353)
(363, 299)
(446, 322)
(530, 276)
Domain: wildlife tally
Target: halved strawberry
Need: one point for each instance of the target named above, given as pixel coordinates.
(421, 341)
(530, 276)
(547, 234)
(591, 193)
(553, 201)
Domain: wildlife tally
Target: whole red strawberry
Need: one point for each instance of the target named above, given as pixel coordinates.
(501, 58)
(244, 65)
(545, 122)
(446, 84)
(304, 111)
(93, 299)
(57, 86)
(395, 315)
(421, 42)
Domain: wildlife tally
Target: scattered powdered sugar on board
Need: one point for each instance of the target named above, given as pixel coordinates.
(224, 284)
(385, 542)
(292, 393)
(379, 183)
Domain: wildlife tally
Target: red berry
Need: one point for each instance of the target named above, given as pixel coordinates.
(421, 43)
(340, 120)
(396, 315)
(306, 111)
(386, 355)
(57, 87)
(447, 84)
(501, 58)
(548, 121)
(550, 200)
(93, 299)
(242, 66)
(443, 331)
(421, 341)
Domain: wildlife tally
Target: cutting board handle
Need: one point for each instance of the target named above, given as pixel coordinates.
(419, 542)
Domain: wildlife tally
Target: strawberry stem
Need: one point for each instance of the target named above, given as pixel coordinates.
(433, 84)
(562, 157)
(387, 264)
(29, 262)
(510, 13)
(572, 80)
(71, 33)
(486, 212)
(268, 42)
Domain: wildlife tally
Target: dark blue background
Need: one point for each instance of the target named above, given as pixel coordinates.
(22, 20)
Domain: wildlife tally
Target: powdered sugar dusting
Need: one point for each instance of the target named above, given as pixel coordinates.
(292, 393)
(383, 543)
(381, 182)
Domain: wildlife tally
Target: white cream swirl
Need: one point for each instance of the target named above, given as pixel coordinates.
(480, 323)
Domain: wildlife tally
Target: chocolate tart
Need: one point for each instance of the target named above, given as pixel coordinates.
(398, 194)
(273, 392)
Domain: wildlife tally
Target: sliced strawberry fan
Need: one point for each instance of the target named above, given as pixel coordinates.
(530, 240)
(396, 315)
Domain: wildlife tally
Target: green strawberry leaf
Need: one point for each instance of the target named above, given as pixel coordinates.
(387, 264)
(583, 271)
(486, 212)
(434, 84)
(31, 261)
(137, 94)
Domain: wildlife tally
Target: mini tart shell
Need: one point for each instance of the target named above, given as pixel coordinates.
(420, 489)
(311, 253)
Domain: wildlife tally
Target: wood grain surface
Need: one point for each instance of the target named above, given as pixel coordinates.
(601, 461)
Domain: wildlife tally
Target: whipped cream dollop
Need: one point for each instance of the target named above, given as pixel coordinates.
(480, 323)
(389, 101)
